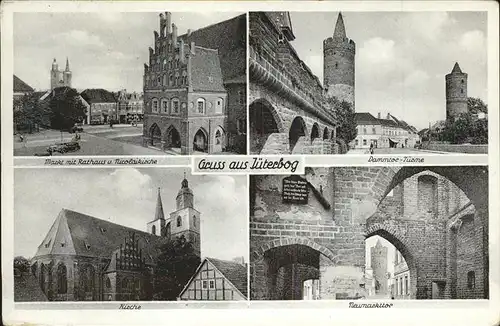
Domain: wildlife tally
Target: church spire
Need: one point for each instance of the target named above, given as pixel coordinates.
(456, 69)
(67, 64)
(159, 207)
(339, 28)
(185, 183)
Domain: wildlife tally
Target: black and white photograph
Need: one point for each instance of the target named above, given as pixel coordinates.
(370, 233)
(129, 83)
(368, 82)
(129, 235)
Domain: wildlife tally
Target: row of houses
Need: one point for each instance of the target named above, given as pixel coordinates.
(378, 132)
(102, 105)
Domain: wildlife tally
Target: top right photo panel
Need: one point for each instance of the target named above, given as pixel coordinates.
(368, 83)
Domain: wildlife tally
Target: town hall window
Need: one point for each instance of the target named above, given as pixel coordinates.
(175, 106)
(164, 106)
(179, 221)
(154, 107)
(218, 105)
(201, 105)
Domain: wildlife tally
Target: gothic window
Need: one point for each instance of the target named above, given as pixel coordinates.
(218, 137)
(336, 64)
(153, 229)
(62, 280)
(179, 221)
(165, 82)
(219, 105)
(175, 106)
(171, 80)
(164, 106)
(154, 107)
(194, 221)
(164, 63)
(89, 279)
(201, 105)
(108, 282)
(471, 280)
(176, 81)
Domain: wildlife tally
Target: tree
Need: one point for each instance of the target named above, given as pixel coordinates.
(67, 108)
(175, 266)
(344, 112)
(29, 114)
(21, 264)
(476, 105)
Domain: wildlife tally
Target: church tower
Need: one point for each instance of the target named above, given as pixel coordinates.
(456, 93)
(157, 225)
(379, 266)
(67, 74)
(338, 64)
(54, 75)
(186, 220)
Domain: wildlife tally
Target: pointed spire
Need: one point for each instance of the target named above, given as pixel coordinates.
(159, 207)
(339, 28)
(456, 69)
(67, 64)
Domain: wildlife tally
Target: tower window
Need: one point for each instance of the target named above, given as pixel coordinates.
(153, 230)
(179, 221)
(462, 90)
(336, 64)
(462, 81)
(194, 221)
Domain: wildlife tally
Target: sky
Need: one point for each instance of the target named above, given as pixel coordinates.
(402, 58)
(128, 197)
(105, 50)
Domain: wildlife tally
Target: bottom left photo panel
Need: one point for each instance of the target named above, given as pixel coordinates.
(129, 234)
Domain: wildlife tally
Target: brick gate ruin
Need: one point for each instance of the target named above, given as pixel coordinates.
(435, 216)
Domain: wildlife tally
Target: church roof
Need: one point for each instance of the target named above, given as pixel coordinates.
(456, 69)
(339, 28)
(229, 38)
(85, 235)
(20, 86)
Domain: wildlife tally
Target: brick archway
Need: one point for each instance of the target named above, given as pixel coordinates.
(271, 109)
(259, 252)
(399, 240)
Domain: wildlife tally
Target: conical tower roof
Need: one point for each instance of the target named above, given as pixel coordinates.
(67, 64)
(339, 27)
(456, 69)
(159, 208)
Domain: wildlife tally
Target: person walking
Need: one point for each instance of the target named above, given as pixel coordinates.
(371, 148)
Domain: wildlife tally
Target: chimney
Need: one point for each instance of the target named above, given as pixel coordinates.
(240, 260)
(168, 19)
(174, 35)
(378, 115)
(189, 32)
(193, 48)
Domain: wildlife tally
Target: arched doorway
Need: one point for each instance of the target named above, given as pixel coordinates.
(173, 139)
(263, 123)
(155, 135)
(298, 129)
(200, 141)
(219, 140)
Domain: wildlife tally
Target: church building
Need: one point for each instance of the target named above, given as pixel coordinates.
(60, 78)
(83, 258)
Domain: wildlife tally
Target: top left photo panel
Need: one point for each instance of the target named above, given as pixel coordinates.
(130, 83)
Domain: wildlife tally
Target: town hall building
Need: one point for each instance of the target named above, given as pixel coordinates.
(195, 89)
(83, 258)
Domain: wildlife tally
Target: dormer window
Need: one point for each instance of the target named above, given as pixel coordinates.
(103, 230)
(63, 244)
(86, 245)
(48, 243)
(281, 38)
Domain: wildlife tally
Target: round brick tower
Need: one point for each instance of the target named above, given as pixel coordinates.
(456, 92)
(338, 64)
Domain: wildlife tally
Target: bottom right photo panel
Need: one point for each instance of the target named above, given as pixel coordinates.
(369, 233)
